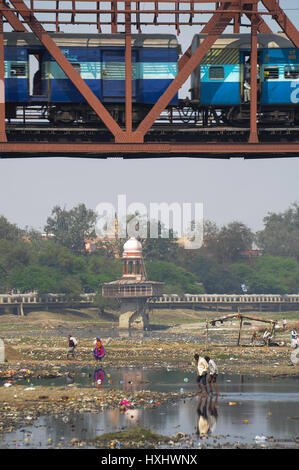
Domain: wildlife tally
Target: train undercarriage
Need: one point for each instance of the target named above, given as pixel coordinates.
(185, 113)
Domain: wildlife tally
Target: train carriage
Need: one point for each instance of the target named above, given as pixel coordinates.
(100, 61)
(223, 76)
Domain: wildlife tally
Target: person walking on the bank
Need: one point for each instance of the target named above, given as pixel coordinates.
(213, 373)
(72, 345)
(202, 368)
(294, 339)
(253, 337)
(267, 337)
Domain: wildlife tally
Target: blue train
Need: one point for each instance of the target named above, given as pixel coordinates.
(222, 81)
(100, 61)
(220, 85)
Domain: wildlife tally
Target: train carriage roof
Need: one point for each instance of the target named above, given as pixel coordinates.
(243, 41)
(92, 40)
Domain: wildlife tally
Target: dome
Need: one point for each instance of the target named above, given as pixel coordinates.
(132, 246)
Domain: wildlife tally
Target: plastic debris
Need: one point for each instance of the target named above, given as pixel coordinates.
(260, 438)
(186, 379)
(231, 403)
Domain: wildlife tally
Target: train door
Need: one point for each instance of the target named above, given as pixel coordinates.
(113, 76)
(35, 82)
(245, 57)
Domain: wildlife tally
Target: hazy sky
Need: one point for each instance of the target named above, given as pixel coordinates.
(234, 189)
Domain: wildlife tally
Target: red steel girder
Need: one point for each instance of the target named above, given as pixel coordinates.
(262, 28)
(2, 85)
(227, 10)
(284, 22)
(253, 79)
(170, 149)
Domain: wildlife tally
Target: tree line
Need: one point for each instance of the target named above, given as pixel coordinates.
(60, 262)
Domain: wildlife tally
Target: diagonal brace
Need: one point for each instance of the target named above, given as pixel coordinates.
(223, 21)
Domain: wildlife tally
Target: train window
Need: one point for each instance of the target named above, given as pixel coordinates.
(291, 72)
(77, 67)
(216, 73)
(271, 73)
(18, 70)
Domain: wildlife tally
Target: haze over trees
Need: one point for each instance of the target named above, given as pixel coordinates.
(61, 263)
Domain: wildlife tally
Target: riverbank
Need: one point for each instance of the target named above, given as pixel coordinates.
(36, 351)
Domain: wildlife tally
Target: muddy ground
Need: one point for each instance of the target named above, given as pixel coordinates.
(36, 345)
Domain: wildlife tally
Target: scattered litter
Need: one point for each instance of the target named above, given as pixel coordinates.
(186, 379)
(260, 438)
(7, 384)
(231, 403)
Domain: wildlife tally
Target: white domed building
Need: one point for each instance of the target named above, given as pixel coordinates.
(133, 289)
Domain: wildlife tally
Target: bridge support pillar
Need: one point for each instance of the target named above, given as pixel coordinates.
(20, 310)
(133, 314)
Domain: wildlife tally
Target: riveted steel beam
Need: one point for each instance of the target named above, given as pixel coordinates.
(284, 22)
(139, 150)
(2, 85)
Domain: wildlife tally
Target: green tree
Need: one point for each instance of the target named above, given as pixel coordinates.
(9, 231)
(71, 287)
(228, 245)
(177, 280)
(70, 228)
(215, 277)
(40, 278)
(60, 257)
(280, 236)
(269, 275)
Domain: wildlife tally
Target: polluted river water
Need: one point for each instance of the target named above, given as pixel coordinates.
(250, 411)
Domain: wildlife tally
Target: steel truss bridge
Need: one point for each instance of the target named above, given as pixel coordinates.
(156, 135)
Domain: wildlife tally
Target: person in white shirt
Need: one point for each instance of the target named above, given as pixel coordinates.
(202, 368)
(213, 373)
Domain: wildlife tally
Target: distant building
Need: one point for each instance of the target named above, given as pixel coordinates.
(133, 289)
(251, 253)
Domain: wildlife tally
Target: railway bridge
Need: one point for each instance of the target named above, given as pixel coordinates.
(162, 131)
(228, 302)
(20, 303)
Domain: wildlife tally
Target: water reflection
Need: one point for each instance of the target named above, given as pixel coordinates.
(246, 407)
(207, 415)
(99, 377)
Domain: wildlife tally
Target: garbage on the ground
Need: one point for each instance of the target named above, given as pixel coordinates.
(231, 403)
(260, 438)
